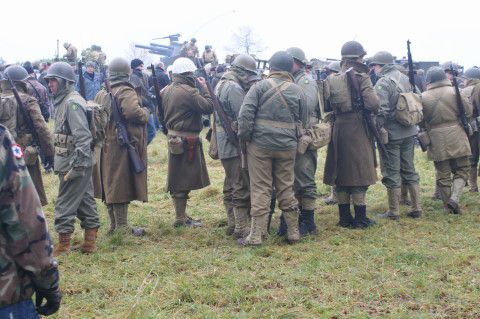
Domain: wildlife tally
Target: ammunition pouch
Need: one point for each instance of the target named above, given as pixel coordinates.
(63, 144)
(175, 145)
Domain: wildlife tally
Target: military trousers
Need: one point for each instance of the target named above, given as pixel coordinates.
(267, 168)
(75, 199)
(449, 170)
(400, 165)
(474, 146)
(304, 186)
(236, 183)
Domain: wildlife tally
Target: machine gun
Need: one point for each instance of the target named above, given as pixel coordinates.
(122, 134)
(81, 80)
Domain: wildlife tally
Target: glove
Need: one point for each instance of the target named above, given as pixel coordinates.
(53, 298)
(48, 163)
(74, 173)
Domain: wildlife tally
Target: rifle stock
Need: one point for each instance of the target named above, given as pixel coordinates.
(122, 134)
(81, 80)
(461, 107)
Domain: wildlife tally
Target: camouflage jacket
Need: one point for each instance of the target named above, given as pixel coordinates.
(26, 260)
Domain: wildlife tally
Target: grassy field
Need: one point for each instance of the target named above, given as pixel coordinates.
(427, 268)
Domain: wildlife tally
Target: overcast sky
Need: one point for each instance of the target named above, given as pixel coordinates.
(439, 30)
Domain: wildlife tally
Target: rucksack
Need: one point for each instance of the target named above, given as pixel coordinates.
(8, 113)
(97, 116)
(409, 109)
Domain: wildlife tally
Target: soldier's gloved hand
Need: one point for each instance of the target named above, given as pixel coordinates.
(48, 163)
(53, 298)
(74, 173)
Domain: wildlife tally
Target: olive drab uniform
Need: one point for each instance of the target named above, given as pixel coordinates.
(236, 194)
(74, 160)
(306, 164)
(13, 118)
(449, 146)
(350, 162)
(26, 260)
(399, 168)
(268, 119)
(472, 92)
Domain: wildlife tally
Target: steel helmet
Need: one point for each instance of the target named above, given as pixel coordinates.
(297, 54)
(16, 73)
(246, 62)
(472, 73)
(61, 70)
(382, 58)
(119, 65)
(435, 74)
(352, 49)
(183, 65)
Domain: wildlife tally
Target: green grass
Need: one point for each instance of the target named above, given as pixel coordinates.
(427, 268)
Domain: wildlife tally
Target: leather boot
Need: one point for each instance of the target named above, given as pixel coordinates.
(361, 219)
(445, 193)
(414, 191)
(346, 218)
(393, 204)
(256, 230)
(473, 180)
(282, 227)
(111, 216)
(457, 189)
(121, 218)
(90, 241)
(291, 219)
(306, 222)
(230, 220)
(404, 197)
(242, 228)
(181, 218)
(332, 199)
(63, 247)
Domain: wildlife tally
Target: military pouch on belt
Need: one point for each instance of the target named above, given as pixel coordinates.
(31, 155)
(175, 145)
(63, 144)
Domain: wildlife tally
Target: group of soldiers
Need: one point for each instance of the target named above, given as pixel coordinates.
(264, 132)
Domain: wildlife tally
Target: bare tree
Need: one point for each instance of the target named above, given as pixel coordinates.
(244, 40)
(142, 54)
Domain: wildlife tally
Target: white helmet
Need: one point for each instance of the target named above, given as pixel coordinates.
(182, 65)
(170, 68)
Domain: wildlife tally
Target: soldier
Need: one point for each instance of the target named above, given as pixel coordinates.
(231, 91)
(449, 147)
(305, 164)
(92, 80)
(27, 125)
(209, 56)
(71, 54)
(399, 168)
(332, 68)
(183, 107)
(268, 121)
(350, 163)
(472, 92)
(38, 91)
(121, 184)
(26, 261)
(74, 160)
(192, 49)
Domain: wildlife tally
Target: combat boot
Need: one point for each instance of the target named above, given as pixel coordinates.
(63, 247)
(404, 197)
(393, 212)
(361, 220)
(121, 218)
(473, 180)
(256, 231)
(332, 199)
(414, 191)
(457, 189)
(445, 193)
(242, 228)
(282, 227)
(111, 216)
(306, 222)
(90, 241)
(291, 219)
(346, 218)
(181, 218)
(230, 220)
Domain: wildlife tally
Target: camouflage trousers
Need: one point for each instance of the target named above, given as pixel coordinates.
(235, 185)
(458, 167)
(75, 199)
(267, 168)
(400, 167)
(304, 186)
